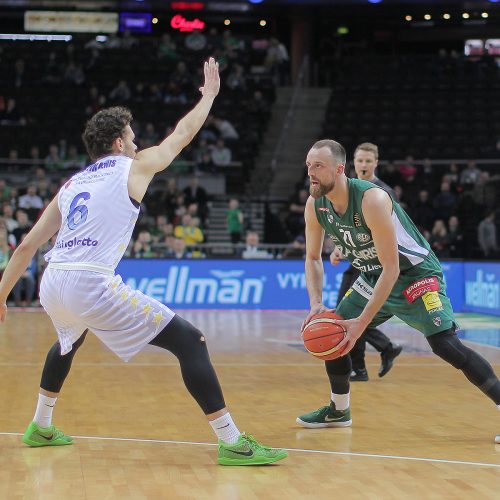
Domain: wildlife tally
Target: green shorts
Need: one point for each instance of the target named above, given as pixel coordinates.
(418, 298)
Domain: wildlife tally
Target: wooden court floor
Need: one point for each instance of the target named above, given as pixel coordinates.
(422, 432)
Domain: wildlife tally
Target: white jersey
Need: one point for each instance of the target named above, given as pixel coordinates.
(98, 218)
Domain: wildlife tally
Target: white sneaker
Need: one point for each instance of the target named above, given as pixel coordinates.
(497, 439)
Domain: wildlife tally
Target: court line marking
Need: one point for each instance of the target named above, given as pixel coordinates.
(131, 365)
(298, 450)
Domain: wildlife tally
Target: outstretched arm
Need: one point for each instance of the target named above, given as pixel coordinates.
(155, 159)
(48, 224)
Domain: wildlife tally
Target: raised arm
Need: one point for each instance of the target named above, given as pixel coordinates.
(314, 264)
(48, 224)
(157, 158)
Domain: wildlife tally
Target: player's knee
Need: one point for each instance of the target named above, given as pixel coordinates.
(448, 347)
(181, 338)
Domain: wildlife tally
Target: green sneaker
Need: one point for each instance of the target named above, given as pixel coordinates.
(247, 451)
(49, 436)
(326, 416)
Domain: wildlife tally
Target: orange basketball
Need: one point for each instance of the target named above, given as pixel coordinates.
(321, 336)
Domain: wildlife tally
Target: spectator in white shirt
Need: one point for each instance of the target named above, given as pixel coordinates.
(30, 199)
(252, 250)
(221, 156)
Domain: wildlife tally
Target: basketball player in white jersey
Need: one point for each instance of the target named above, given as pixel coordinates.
(94, 214)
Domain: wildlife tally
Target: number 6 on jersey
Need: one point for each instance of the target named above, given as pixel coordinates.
(74, 210)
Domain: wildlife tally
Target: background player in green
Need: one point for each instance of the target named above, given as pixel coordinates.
(400, 275)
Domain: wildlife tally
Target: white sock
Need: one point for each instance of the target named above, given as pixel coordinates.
(498, 406)
(225, 429)
(44, 409)
(341, 401)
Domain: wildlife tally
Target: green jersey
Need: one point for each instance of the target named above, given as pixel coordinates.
(354, 239)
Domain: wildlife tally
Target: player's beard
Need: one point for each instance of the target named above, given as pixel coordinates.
(319, 190)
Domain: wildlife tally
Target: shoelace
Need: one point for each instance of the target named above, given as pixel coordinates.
(252, 442)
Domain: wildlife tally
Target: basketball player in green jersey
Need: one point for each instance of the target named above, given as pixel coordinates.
(400, 276)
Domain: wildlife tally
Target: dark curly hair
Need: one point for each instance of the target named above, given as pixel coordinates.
(103, 128)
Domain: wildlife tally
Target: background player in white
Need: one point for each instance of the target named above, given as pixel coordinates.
(94, 214)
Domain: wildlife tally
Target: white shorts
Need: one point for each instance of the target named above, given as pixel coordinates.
(125, 320)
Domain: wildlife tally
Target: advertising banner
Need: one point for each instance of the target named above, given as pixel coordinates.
(482, 287)
(245, 284)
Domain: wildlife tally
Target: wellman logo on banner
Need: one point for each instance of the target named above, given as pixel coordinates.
(245, 284)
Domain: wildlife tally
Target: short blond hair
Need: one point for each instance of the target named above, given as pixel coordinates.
(368, 146)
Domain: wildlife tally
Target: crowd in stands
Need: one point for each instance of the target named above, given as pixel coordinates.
(158, 82)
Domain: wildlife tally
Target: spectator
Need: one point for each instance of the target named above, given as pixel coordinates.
(31, 202)
(26, 283)
(53, 72)
(407, 169)
(142, 247)
(4, 250)
(195, 236)
(167, 49)
(445, 202)
(74, 74)
(181, 78)
(231, 44)
(296, 250)
(180, 210)
(74, 161)
(189, 231)
(53, 161)
(455, 236)
(252, 250)
(439, 239)
(120, 93)
(194, 193)
(221, 155)
(234, 220)
(195, 41)
(36, 161)
(487, 236)
(277, 60)
(452, 176)
(23, 225)
(11, 115)
(470, 175)
(150, 137)
(225, 129)
(258, 105)
(206, 165)
(127, 41)
(236, 79)
(391, 175)
(179, 249)
(43, 190)
(295, 220)
(423, 213)
(201, 148)
(5, 191)
(8, 216)
(169, 252)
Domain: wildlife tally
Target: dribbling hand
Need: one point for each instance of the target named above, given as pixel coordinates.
(211, 85)
(316, 309)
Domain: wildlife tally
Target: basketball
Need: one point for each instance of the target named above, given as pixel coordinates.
(321, 336)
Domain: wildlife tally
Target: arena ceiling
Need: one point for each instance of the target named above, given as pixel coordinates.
(227, 4)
